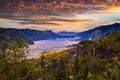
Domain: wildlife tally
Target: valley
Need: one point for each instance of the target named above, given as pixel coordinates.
(59, 39)
(51, 45)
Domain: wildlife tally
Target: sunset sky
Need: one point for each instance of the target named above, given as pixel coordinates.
(63, 17)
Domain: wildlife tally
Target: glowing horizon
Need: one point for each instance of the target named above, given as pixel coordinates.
(77, 18)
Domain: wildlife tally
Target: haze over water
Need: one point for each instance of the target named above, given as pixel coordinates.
(48, 45)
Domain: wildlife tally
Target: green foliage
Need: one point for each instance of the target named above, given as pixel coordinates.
(61, 71)
(12, 56)
(112, 69)
(76, 65)
(14, 64)
(110, 41)
(88, 45)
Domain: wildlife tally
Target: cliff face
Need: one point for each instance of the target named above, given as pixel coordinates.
(104, 47)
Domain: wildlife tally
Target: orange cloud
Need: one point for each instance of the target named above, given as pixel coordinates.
(39, 23)
(57, 19)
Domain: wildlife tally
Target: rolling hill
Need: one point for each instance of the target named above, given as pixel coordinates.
(99, 31)
(28, 34)
(92, 33)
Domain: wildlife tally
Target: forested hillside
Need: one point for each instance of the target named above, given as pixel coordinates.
(28, 35)
(98, 31)
(90, 60)
(94, 33)
(106, 45)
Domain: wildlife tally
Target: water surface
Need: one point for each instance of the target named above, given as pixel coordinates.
(48, 45)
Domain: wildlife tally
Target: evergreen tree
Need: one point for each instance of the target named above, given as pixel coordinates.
(61, 71)
(76, 65)
(4, 64)
(12, 57)
(42, 62)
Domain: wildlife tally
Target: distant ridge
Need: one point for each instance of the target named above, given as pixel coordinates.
(99, 31)
(28, 34)
(36, 35)
(92, 33)
(68, 34)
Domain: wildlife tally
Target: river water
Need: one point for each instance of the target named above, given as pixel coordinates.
(49, 45)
